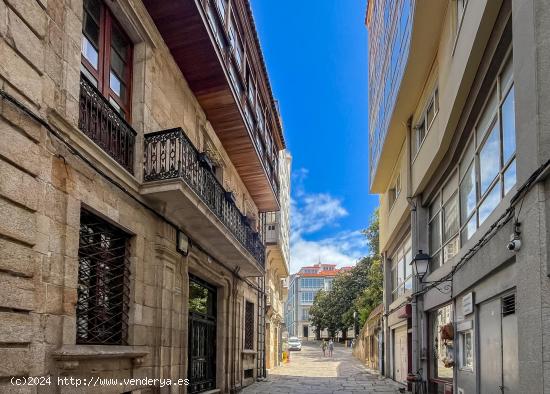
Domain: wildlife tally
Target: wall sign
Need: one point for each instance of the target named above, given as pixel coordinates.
(464, 326)
(183, 243)
(468, 304)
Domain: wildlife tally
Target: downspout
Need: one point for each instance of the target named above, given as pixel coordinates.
(234, 292)
(414, 230)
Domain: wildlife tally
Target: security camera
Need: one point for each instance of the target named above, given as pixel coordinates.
(515, 243)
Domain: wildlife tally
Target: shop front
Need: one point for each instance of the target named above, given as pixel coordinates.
(441, 356)
(399, 323)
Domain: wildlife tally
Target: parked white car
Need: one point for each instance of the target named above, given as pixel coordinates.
(294, 343)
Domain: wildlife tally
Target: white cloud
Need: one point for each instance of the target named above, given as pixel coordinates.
(312, 212)
(341, 250)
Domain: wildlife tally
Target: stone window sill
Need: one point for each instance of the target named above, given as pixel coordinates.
(68, 356)
(249, 351)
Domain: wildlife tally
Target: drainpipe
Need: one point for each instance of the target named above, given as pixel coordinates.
(234, 291)
(414, 232)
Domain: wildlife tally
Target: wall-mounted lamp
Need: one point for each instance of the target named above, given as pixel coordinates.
(420, 264)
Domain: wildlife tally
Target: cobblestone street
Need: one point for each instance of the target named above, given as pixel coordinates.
(309, 372)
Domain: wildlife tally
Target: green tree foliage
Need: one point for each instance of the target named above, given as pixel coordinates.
(371, 296)
(372, 233)
(358, 290)
(321, 314)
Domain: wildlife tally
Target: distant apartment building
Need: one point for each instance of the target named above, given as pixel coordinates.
(458, 130)
(303, 286)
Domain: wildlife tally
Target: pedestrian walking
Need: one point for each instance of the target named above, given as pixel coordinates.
(330, 347)
(324, 347)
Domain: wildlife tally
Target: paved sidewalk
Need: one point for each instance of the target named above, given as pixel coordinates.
(308, 372)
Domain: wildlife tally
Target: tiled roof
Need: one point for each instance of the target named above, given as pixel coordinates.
(323, 273)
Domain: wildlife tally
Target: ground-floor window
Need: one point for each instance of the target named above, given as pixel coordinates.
(249, 326)
(103, 282)
(442, 350)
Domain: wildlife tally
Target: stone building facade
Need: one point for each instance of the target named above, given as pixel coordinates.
(368, 344)
(277, 238)
(459, 157)
(131, 187)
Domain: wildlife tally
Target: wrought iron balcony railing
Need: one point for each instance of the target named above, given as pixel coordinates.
(169, 154)
(100, 121)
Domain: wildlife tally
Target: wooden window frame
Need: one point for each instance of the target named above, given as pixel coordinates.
(107, 22)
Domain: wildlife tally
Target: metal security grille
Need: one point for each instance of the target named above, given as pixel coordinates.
(202, 336)
(103, 282)
(249, 326)
(99, 120)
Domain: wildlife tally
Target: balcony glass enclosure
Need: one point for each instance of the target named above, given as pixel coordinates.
(390, 24)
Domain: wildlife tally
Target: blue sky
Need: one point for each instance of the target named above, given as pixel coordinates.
(316, 54)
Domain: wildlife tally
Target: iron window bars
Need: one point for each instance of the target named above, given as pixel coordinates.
(169, 154)
(249, 326)
(103, 282)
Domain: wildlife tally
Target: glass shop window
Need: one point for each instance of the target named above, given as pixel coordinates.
(442, 349)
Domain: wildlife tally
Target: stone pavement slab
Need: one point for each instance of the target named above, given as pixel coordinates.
(308, 372)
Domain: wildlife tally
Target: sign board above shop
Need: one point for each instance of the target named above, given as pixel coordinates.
(468, 304)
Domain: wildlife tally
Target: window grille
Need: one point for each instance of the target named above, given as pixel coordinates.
(103, 282)
(249, 326)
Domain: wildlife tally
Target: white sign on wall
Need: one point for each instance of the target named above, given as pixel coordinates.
(468, 304)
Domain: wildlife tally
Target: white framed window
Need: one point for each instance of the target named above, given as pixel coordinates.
(314, 283)
(443, 224)
(401, 270)
(426, 120)
(488, 167)
(395, 190)
(466, 350)
(485, 173)
(308, 296)
(251, 89)
(221, 6)
(235, 42)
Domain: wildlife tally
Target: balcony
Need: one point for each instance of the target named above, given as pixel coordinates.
(271, 232)
(217, 63)
(100, 121)
(178, 180)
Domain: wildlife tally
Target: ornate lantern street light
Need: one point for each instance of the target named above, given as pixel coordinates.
(420, 264)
